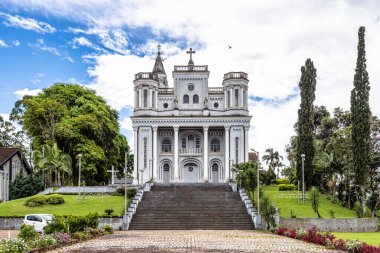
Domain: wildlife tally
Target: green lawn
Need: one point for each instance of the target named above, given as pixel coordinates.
(94, 203)
(285, 204)
(370, 238)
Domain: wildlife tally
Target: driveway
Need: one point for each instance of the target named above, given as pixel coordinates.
(193, 241)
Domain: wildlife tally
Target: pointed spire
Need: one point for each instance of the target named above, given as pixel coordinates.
(158, 65)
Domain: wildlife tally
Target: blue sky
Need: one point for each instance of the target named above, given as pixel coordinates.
(101, 44)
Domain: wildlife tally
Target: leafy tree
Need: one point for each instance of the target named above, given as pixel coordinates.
(361, 119)
(247, 176)
(79, 121)
(10, 137)
(54, 164)
(25, 186)
(268, 211)
(305, 127)
(314, 198)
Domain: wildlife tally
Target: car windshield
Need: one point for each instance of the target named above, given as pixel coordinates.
(47, 217)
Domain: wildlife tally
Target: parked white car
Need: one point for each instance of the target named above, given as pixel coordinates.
(39, 221)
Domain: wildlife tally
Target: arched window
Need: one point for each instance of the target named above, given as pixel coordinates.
(197, 143)
(236, 97)
(183, 142)
(145, 152)
(228, 99)
(166, 146)
(153, 99)
(145, 98)
(195, 99)
(186, 99)
(215, 167)
(215, 145)
(236, 150)
(166, 167)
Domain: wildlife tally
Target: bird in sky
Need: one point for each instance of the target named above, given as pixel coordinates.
(229, 47)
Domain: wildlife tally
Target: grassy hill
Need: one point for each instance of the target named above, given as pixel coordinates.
(94, 203)
(372, 238)
(288, 200)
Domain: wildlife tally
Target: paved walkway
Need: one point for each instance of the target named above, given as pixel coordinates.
(193, 241)
(8, 234)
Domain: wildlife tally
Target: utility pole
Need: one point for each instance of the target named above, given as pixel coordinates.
(80, 160)
(303, 178)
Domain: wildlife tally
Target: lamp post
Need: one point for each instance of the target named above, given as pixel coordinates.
(258, 180)
(125, 184)
(80, 163)
(303, 178)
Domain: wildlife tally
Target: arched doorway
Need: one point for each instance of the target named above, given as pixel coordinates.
(190, 173)
(215, 172)
(166, 173)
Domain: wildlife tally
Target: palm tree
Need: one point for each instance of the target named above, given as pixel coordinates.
(54, 164)
(273, 158)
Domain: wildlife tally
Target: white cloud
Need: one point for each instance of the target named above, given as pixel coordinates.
(69, 59)
(27, 23)
(37, 78)
(270, 41)
(126, 124)
(27, 91)
(3, 44)
(16, 43)
(40, 45)
(81, 41)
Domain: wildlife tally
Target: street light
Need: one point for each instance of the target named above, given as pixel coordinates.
(80, 161)
(303, 178)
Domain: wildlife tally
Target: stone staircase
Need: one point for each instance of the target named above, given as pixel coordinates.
(191, 206)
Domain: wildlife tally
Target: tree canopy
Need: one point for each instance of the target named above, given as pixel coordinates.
(80, 122)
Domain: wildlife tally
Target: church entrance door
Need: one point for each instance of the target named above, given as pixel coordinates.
(166, 173)
(190, 173)
(215, 173)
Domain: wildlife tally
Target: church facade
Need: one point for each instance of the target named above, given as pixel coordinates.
(189, 133)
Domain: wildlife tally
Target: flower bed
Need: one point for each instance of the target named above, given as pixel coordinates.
(327, 239)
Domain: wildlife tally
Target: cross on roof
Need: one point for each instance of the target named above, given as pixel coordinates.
(191, 52)
(112, 175)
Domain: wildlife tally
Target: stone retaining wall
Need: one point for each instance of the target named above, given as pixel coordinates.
(332, 224)
(15, 223)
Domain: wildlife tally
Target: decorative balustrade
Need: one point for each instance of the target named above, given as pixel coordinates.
(235, 75)
(190, 151)
(215, 90)
(165, 91)
(146, 75)
(191, 68)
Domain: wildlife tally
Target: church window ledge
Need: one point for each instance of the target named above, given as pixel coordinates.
(190, 151)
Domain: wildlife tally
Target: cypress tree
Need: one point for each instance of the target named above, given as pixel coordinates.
(361, 116)
(305, 126)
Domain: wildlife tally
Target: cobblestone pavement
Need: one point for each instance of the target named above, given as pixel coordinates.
(194, 241)
(8, 233)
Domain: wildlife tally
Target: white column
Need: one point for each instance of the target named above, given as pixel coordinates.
(155, 158)
(241, 98)
(227, 152)
(156, 102)
(246, 143)
(135, 155)
(205, 153)
(176, 168)
(150, 97)
(225, 99)
(232, 95)
(140, 97)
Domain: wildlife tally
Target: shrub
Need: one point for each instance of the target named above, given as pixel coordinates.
(268, 211)
(314, 198)
(108, 229)
(55, 199)
(286, 187)
(79, 236)
(43, 242)
(27, 233)
(332, 213)
(25, 186)
(131, 192)
(92, 220)
(94, 232)
(292, 214)
(57, 224)
(62, 237)
(76, 223)
(109, 211)
(358, 209)
(36, 200)
(282, 181)
(13, 245)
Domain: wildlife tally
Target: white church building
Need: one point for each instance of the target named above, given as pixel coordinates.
(189, 133)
